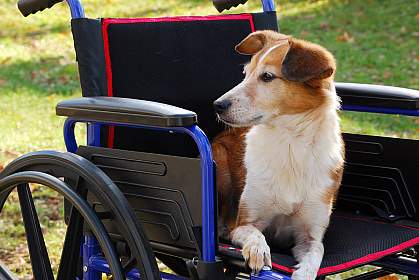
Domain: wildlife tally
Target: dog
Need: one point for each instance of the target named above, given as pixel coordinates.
(280, 166)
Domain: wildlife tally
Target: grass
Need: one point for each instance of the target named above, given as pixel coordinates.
(13, 246)
(374, 41)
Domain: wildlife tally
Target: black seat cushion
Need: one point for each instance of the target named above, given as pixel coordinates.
(349, 242)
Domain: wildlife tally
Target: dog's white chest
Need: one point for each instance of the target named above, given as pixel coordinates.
(285, 169)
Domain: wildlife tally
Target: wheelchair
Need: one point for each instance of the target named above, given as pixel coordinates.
(143, 186)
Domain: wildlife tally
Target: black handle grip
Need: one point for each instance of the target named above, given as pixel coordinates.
(222, 5)
(27, 7)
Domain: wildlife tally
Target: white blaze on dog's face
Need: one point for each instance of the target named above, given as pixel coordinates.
(284, 76)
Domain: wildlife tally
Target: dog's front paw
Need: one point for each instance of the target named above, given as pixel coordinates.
(304, 272)
(257, 254)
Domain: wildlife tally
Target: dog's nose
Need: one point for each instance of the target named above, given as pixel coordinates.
(221, 105)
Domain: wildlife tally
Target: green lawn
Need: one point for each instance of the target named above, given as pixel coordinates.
(373, 41)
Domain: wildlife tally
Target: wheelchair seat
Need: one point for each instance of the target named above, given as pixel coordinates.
(375, 214)
(350, 241)
(361, 231)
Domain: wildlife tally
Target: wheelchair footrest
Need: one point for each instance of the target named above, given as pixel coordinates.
(350, 241)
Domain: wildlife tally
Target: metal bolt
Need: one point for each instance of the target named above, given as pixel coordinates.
(84, 268)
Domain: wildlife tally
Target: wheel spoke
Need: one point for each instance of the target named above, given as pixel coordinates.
(5, 274)
(41, 266)
(70, 255)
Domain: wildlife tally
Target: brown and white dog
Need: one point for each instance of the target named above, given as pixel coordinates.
(279, 172)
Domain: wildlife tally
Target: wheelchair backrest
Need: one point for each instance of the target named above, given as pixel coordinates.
(183, 61)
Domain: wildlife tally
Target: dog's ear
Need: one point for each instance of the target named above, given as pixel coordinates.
(253, 43)
(307, 63)
(256, 41)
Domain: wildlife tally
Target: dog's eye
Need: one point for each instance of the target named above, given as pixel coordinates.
(267, 77)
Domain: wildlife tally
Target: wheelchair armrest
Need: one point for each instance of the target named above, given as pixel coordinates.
(126, 110)
(378, 96)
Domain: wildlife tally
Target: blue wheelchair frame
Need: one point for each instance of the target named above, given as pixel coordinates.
(94, 264)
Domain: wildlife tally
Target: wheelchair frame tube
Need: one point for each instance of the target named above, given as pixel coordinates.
(99, 263)
(93, 134)
(393, 111)
(90, 248)
(399, 264)
(76, 8)
(268, 5)
(207, 170)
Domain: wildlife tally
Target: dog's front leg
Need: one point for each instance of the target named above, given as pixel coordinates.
(256, 251)
(310, 262)
(309, 250)
(248, 235)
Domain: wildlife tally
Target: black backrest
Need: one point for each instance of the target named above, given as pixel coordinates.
(183, 61)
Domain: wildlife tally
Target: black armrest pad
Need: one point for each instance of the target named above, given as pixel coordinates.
(125, 110)
(378, 96)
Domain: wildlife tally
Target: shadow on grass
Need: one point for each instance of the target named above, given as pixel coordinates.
(42, 77)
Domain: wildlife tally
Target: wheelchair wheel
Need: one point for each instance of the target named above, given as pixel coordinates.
(74, 177)
(40, 262)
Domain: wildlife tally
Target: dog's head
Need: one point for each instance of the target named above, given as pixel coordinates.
(284, 76)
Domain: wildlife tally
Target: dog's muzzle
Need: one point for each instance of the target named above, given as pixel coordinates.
(220, 106)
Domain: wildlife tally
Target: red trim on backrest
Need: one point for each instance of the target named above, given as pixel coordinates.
(111, 136)
(248, 17)
(107, 21)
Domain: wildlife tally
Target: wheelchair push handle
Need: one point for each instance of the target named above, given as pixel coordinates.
(27, 7)
(222, 5)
